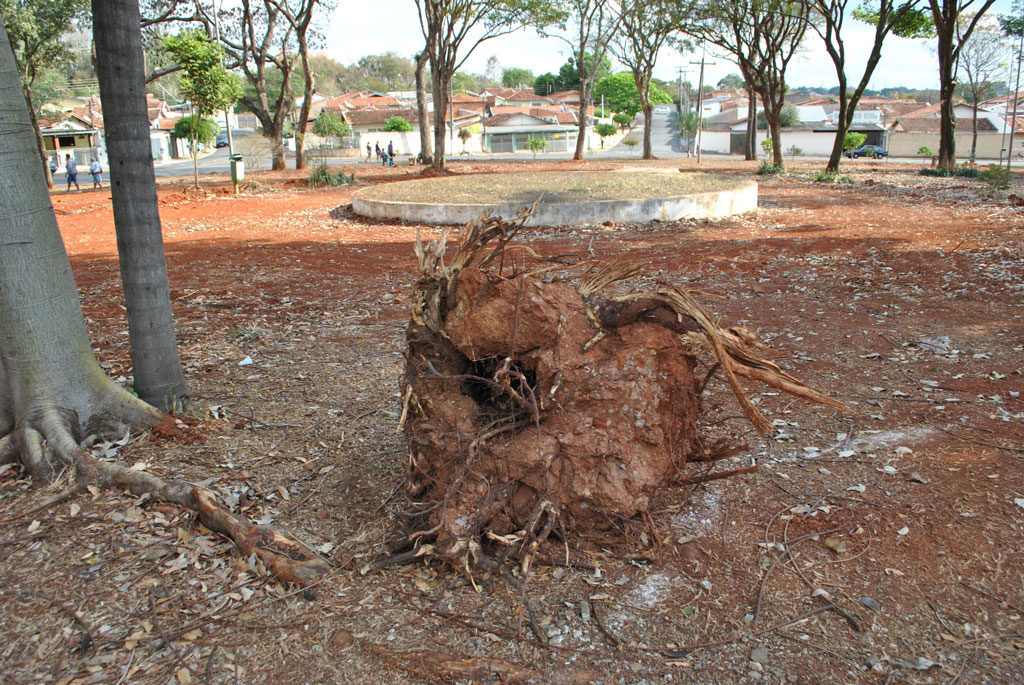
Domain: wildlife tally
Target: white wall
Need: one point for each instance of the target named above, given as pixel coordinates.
(408, 142)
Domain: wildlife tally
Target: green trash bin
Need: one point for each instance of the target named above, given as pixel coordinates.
(237, 168)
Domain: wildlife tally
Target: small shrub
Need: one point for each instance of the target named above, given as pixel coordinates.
(397, 124)
(630, 142)
(964, 171)
(536, 145)
(995, 177)
(767, 167)
(767, 146)
(622, 119)
(830, 177)
(323, 176)
(793, 151)
(925, 151)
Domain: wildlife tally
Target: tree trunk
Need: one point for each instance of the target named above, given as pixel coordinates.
(586, 96)
(159, 379)
(27, 92)
(750, 143)
(947, 87)
(643, 88)
(974, 129)
(46, 359)
(421, 108)
(52, 391)
(195, 148)
(440, 87)
(648, 124)
(307, 102)
(773, 100)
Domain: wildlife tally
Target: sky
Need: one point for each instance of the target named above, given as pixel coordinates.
(365, 28)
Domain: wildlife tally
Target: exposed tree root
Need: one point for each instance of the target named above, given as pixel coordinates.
(536, 404)
(47, 444)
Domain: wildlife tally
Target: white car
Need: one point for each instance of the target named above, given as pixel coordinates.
(662, 109)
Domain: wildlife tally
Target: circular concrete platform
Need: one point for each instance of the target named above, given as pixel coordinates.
(567, 198)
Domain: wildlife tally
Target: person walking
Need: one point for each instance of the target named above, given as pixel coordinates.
(71, 168)
(369, 152)
(376, 149)
(97, 173)
(391, 154)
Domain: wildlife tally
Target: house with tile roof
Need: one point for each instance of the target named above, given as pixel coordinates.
(509, 131)
(910, 134)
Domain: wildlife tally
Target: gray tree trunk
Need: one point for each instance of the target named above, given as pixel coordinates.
(426, 153)
(440, 87)
(39, 137)
(159, 379)
(46, 359)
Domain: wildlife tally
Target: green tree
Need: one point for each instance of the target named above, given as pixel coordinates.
(205, 82)
(623, 119)
(621, 94)
(535, 145)
(645, 27)
(762, 37)
(853, 140)
(464, 82)
(514, 77)
(789, 115)
(605, 130)
(953, 29)
(397, 124)
(35, 28)
(261, 38)
(331, 125)
(453, 29)
(732, 81)
(548, 83)
(902, 18)
(196, 129)
(690, 122)
(1013, 24)
(630, 142)
(389, 71)
(569, 75)
(587, 28)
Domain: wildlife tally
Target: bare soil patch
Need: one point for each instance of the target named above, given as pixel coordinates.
(566, 186)
(901, 295)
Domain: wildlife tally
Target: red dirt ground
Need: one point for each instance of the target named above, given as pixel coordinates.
(899, 294)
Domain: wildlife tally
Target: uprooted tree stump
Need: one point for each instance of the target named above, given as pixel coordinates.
(535, 404)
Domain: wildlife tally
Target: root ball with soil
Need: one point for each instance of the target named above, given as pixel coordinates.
(535, 402)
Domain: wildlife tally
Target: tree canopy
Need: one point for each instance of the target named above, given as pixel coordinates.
(621, 94)
(397, 124)
(329, 125)
(513, 77)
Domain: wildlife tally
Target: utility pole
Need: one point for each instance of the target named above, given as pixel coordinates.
(700, 98)
(1016, 93)
(684, 100)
